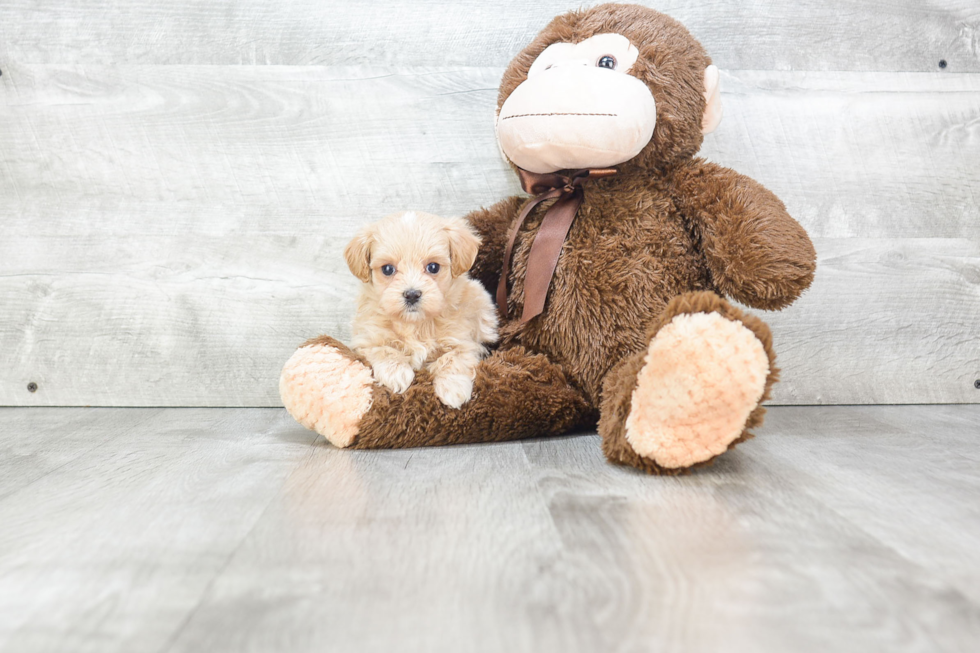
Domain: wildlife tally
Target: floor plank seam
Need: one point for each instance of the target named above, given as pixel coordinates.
(175, 635)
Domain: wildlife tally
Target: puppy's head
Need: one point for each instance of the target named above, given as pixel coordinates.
(411, 259)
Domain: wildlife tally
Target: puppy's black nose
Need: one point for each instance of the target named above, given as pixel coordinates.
(412, 296)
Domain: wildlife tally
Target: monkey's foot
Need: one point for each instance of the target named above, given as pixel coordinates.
(695, 391)
(326, 389)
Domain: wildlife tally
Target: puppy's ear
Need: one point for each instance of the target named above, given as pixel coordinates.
(358, 254)
(463, 245)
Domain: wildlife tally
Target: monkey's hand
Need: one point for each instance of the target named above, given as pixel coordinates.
(757, 253)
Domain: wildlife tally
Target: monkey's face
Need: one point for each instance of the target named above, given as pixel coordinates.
(579, 108)
(605, 86)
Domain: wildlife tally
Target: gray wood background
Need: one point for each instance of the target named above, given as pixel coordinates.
(177, 180)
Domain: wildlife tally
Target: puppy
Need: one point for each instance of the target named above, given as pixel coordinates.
(418, 307)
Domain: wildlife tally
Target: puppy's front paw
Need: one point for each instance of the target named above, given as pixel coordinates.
(454, 390)
(394, 375)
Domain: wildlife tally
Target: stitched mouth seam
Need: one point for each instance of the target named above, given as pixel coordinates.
(525, 115)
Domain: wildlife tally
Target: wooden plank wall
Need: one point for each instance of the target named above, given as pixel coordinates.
(177, 180)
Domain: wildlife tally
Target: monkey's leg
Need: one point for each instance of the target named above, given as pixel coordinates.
(516, 395)
(693, 393)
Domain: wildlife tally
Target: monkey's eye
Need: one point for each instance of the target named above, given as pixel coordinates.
(607, 61)
(432, 268)
(387, 269)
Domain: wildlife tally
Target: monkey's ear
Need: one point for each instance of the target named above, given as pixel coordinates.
(712, 96)
(358, 254)
(463, 245)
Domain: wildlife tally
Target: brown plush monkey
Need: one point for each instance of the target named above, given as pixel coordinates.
(621, 321)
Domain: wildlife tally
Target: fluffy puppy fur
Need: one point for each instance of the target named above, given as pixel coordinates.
(418, 307)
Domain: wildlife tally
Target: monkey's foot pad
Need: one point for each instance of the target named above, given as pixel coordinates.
(702, 377)
(326, 391)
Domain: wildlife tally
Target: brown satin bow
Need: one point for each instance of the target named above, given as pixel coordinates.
(566, 185)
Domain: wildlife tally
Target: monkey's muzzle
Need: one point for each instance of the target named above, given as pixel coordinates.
(571, 117)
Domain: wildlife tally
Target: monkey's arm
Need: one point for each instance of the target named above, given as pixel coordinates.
(493, 224)
(757, 253)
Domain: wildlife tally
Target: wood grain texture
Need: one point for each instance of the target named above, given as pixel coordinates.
(838, 528)
(897, 321)
(211, 150)
(69, 434)
(886, 321)
(171, 233)
(859, 155)
(110, 549)
(890, 35)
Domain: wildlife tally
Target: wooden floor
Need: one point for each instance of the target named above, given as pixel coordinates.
(837, 529)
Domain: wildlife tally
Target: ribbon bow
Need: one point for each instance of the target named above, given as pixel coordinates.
(566, 185)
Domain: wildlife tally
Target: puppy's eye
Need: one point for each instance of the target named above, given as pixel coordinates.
(432, 268)
(387, 269)
(607, 61)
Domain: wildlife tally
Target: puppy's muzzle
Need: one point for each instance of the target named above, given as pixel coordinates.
(412, 297)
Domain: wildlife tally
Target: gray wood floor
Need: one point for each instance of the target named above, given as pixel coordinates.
(837, 529)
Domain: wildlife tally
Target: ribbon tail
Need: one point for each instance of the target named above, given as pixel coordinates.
(509, 249)
(546, 248)
(543, 257)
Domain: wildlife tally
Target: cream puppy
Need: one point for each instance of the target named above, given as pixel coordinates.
(418, 307)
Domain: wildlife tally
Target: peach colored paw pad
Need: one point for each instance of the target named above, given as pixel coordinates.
(326, 392)
(702, 377)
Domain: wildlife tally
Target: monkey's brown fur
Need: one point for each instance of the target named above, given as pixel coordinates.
(621, 380)
(516, 395)
(670, 234)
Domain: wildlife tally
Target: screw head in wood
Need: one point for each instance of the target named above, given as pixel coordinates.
(32, 387)
(976, 384)
(942, 63)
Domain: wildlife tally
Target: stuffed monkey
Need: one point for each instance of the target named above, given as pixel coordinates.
(613, 278)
